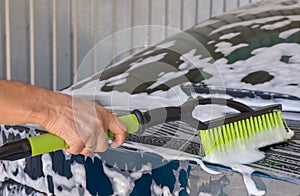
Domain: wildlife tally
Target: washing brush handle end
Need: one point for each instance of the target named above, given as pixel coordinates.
(48, 142)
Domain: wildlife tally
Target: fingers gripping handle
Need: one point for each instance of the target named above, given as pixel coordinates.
(48, 142)
(132, 123)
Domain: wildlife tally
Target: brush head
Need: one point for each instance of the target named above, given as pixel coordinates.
(244, 132)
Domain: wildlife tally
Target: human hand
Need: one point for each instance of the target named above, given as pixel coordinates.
(83, 124)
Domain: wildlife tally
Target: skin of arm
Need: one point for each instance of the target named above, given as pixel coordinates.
(81, 123)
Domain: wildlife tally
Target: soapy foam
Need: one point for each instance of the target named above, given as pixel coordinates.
(226, 47)
(167, 44)
(288, 33)
(229, 35)
(121, 184)
(183, 166)
(264, 6)
(256, 21)
(267, 59)
(276, 25)
(160, 191)
(191, 60)
(204, 194)
(170, 154)
(166, 77)
(248, 181)
(147, 60)
(116, 80)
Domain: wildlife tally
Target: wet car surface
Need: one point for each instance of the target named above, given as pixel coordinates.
(250, 54)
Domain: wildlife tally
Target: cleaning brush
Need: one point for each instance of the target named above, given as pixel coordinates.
(248, 128)
(244, 132)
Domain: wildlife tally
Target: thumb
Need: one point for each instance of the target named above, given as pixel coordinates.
(117, 127)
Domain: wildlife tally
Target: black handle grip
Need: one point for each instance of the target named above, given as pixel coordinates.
(188, 107)
(184, 113)
(156, 116)
(191, 104)
(15, 150)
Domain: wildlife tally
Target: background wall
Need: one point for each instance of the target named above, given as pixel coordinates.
(42, 42)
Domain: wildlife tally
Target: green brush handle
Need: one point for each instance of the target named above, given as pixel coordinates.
(48, 142)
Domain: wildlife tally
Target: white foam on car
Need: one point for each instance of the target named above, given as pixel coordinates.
(160, 191)
(229, 35)
(276, 25)
(123, 183)
(249, 183)
(167, 77)
(265, 6)
(288, 33)
(170, 154)
(267, 59)
(147, 60)
(226, 47)
(117, 80)
(166, 44)
(255, 22)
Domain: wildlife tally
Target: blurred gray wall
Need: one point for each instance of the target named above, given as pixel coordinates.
(42, 42)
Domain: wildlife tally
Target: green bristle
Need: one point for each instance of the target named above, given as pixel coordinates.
(275, 119)
(256, 123)
(267, 123)
(222, 136)
(248, 124)
(235, 126)
(224, 130)
(263, 124)
(226, 136)
(279, 119)
(239, 130)
(205, 134)
(232, 131)
(229, 134)
(260, 127)
(252, 126)
(242, 132)
(269, 120)
(245, 128)
(273, 124)
(216, 137)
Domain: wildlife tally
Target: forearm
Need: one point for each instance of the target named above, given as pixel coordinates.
(22, 103)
